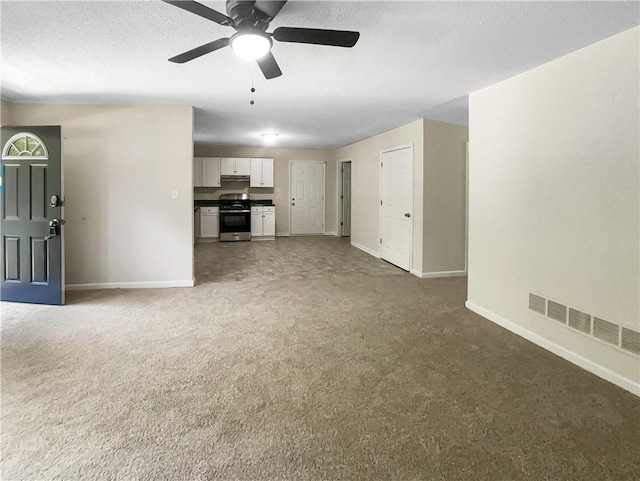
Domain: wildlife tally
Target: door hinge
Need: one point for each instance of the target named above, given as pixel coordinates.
(380, 202)
(342, 196)
(380, 241)
(381, 164)
(341, 223)
(342, 170)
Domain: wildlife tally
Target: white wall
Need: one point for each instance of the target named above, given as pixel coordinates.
(120, 165)
(445, 161)
(280, 192)
(365, 186)
(5, 112)
(554, 200)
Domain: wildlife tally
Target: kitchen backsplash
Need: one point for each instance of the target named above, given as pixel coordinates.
(213, 193)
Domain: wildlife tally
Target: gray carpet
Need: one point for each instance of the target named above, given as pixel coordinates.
(299, 359)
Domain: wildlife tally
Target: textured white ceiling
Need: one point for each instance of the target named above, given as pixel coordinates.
(414, 59)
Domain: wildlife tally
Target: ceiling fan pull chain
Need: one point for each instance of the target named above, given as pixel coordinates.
(252, 88)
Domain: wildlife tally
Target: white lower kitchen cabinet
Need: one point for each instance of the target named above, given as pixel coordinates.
(209, 223)
(263, 223)
(269, 223)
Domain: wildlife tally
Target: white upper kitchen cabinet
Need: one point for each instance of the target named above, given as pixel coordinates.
(227, 166)
(210, 172)
(235, 166)
(261, 173)
(197, 172)
(243, 166)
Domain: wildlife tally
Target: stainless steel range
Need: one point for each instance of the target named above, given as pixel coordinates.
(235, 217)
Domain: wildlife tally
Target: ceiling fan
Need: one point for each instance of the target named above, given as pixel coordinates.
(250, 19)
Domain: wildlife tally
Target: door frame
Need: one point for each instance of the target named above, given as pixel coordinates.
(338, 193)
(380, 217)
(324, 193)
(466, 213)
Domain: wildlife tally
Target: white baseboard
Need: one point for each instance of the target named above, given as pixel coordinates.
(331, 232)
(365, 249)
(130, 285)
(594, 368)
(435, 275)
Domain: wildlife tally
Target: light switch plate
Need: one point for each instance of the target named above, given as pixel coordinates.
(174, 194)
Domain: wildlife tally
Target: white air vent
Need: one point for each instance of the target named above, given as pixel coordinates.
(580, 321)
(537, 304)
(630, 340)
(620, 337)
(557, 312)
(605, 331)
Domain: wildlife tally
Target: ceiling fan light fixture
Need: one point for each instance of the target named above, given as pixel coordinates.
(251, 45)
(270, 136)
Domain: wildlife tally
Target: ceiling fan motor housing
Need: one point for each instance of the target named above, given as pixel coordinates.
(245, 16)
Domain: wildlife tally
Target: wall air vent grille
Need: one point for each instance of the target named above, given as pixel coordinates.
(580, 321)
(630, 340)
(557, 312)
(537, 304)
(621, 337)
(605, 331)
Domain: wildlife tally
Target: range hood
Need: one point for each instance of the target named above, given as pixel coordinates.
(235, 178)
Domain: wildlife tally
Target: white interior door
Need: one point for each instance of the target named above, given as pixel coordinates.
(396, 225)
(307, 197)
(345, 199)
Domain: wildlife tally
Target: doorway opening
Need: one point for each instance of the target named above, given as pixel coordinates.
(344, 198)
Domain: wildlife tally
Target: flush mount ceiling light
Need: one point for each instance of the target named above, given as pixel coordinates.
(270, 136)
(251, 45)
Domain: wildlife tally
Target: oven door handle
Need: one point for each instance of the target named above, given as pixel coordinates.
(235, 211)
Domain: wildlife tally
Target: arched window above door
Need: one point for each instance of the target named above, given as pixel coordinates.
(25, 144)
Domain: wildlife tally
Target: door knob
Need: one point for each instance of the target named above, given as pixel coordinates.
(407, 215)
(54, 228)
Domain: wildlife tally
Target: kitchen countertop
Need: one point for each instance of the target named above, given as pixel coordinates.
(215, 203)
(205, 203)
